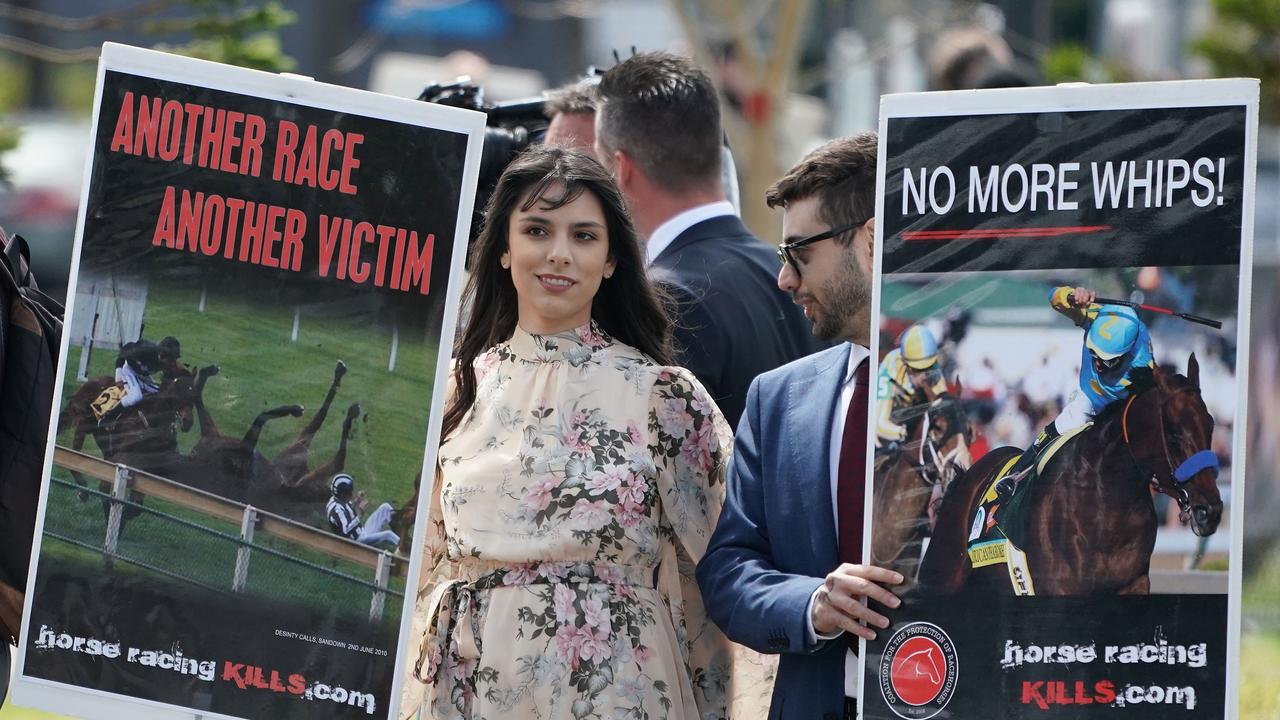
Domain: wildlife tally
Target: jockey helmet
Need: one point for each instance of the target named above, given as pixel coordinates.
(919, 349)
(342, 484)
(171, 347)
(1112, 335)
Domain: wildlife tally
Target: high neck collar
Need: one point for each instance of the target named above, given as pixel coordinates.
(576, 345)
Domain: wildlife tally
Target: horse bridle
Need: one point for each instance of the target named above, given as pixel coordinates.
(1177, 477)
(938, 462)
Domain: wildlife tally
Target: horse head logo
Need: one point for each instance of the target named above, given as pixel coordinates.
(923, 665)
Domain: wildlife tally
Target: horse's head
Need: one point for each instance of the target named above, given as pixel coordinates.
(949, 434)
(178, 390)
(1178, 451)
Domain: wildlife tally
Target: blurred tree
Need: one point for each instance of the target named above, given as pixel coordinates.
(1244, 41)
(753, 49)
(12, 92)
(72, 85)
(1073, 63)
(8, 141)
(13, 83)
(236, 32)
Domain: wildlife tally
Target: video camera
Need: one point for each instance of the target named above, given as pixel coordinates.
(511, 127)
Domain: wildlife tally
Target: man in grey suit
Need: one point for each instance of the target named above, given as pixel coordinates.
(658, 130)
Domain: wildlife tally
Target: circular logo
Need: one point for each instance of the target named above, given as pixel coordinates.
(918, 671)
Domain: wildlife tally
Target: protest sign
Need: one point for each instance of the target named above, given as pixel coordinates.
(1067, 267)
(265, 287)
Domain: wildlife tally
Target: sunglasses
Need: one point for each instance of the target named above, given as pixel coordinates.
(1111, 364)
(785, 249)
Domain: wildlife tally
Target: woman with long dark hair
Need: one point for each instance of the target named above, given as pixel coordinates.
(579, 477)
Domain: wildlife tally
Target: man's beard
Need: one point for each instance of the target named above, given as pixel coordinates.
(846, 295)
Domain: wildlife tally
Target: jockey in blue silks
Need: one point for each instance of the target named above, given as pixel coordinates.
(1116, 344)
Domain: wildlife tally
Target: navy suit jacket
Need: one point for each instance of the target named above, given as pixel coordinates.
(732, 321)
(776, 538)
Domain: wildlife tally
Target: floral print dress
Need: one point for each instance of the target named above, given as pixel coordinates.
(571, 505)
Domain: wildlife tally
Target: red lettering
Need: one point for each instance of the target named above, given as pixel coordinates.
(417, 268)
(171, 130)
(329, 232)
(258, 681)
(189, 140)
(211, 228)
(286, 141)
(234, 206)
(398, 259)
(255, 130)
(1081, 697)
(255, 220)
(164, 222)
(297, 684)
(276, 684)
(306, 172)
(189, 221)
(271, 235)
(230, 140)
(295, 226)
(1031, 694)
(349, 162)
(329, 178)
(344, 250)
(148, 127)
(385, 233)
(1057, 693)
(211, 139)
(359, 269)
(1104, 691)
(233, 672)
(122, 138)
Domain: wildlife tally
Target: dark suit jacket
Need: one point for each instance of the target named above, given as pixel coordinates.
(732, 321)
(775, 541)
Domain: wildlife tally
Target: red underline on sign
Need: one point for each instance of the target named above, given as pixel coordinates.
(1002, 233)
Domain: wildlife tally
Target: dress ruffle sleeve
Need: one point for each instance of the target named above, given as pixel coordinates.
(690, 443)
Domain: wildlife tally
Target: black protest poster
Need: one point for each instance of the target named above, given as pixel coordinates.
(1059, 413)
(266, 261)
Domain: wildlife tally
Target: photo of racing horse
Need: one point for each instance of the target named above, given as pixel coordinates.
(1090, 516)
(236, 469)
(909, 479)
(145, 432)
(144, 436)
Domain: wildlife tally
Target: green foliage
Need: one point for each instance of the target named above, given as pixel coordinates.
(1260, 676)
(236, 32)
(9, 136)
(72, 87)
(14, 82)
(1244, 41)
(1260, 644)
(1073, 63)
(13, 89)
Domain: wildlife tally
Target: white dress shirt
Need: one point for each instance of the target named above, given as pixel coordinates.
(857, 354)
(667, 232)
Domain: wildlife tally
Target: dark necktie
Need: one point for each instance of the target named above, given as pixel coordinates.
(851, 484)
